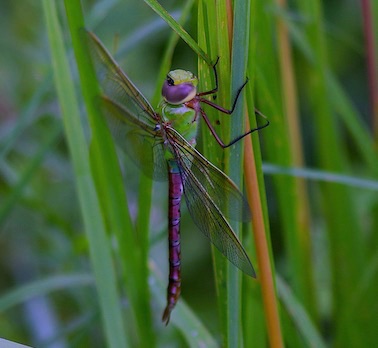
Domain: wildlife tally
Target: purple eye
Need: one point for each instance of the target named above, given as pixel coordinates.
(178, 94)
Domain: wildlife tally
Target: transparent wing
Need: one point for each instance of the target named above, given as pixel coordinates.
(210, 196)
(116, 85)
(143, 144)
(130, 117)
(219, 187)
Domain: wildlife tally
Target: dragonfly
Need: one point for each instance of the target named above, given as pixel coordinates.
(162, 144)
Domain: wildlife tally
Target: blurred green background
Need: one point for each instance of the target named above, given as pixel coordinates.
(41, 233)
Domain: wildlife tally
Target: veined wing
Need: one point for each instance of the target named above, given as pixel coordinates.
(116, 85)
(219, 187)
(210, 196)
(142, 142)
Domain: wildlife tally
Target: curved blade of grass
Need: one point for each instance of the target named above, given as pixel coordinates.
(299, 316)
(178, 29)
(321, 175)
(110, 187)
(195, 333)
(145, 31)
(43, 287)
(9, 344)
(89, 201)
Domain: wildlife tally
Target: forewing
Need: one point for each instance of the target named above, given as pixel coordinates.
(142, 143)
(205, 189)
(115, 83)
(219, 187)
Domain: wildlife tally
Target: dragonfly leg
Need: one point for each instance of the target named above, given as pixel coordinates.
(222, 109)
(215, 89)
(232, 142)
(199, 99)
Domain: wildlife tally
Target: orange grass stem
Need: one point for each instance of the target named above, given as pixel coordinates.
(263, 258)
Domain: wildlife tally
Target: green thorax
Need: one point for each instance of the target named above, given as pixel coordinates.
(179, 88)
(182, 119)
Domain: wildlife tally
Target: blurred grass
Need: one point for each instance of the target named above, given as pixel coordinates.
(324, 244)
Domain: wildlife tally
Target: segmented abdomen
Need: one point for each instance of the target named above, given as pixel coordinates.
(174, 285)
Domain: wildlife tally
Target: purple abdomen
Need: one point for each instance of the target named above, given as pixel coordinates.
(174, 285)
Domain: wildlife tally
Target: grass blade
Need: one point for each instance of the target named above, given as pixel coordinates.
(178, 29)
(89, 202)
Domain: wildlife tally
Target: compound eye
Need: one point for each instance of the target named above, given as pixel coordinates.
(170, 81)
(178, 94)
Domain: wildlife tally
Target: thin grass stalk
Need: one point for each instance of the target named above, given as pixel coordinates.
(371, 62)
(155, 5)
(303, 279)
(261, 244)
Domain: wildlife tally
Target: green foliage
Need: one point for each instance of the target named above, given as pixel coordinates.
(84, 247)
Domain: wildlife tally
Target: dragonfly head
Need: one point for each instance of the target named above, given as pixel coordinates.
(179, 87)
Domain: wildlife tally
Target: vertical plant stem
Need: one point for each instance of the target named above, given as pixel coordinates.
(371, 60)
(303, 278)
(262, 250)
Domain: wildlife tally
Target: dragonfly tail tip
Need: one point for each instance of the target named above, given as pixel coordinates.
(166, 315)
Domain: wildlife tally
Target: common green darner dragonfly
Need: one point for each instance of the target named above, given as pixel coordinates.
(162, 144)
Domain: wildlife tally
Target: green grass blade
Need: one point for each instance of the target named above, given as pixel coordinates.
(209, 15)
(191, 328)
(178, 29)
(321, 175)
(89, 202)
(43, 287)
(299, 316)
(109, 183)
(239, 59)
